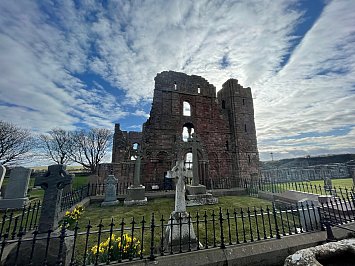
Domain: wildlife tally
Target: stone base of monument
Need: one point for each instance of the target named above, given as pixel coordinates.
(135, 196)
(197, 195)
(39, 250)
(195, 190)
(13, 203)
(201, 199)
(110, 203)
(174, 239)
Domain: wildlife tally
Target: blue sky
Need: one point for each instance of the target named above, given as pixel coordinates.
(78, 64)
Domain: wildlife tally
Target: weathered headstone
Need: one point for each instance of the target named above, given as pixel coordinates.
(2, 175)
(328, 185)
(16, 190)
(180, 224)
(136, 192)
(309, 218)
(53, 183)
(293, 197)
(110, 191)
(197, 193)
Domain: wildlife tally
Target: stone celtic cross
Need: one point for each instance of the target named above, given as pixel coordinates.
(179, 172)
(194, 142)
(53, 183)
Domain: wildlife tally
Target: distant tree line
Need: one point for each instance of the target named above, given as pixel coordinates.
(85, 147)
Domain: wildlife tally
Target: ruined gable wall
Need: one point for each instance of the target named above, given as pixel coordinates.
(163, 130)
(237, 102)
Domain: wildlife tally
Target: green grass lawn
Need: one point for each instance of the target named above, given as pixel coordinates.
(207, 229)
(316, 186)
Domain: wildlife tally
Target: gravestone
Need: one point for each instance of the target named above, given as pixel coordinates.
(110, 191)
(309, 218)
(136, 192)
(293, 197)
(328, 186)
(16, 190)
(196, 193)
(53, 183)
(2, 176)
(179, 224)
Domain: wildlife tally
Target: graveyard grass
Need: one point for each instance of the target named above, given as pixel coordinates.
(37, 194)
(95, 214)
(337, 183)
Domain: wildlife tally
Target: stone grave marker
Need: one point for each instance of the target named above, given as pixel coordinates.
(328, 185)
(2, 175)
(307, 215)
(196, 193)
(136, 192)
(293, 197)
(110, 191)
(53, 183)
(16, 190)
(179, 218)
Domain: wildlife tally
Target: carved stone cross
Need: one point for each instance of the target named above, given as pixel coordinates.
(194, 142)
(137, 168)
(53, 183)
(179, 172)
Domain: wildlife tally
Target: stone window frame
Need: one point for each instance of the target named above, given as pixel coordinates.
(189, 109)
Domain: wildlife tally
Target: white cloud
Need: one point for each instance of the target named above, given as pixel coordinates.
(46, 50)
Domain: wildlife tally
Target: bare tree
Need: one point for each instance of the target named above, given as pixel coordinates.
(89, 147)
(15, 143)
(57, 145)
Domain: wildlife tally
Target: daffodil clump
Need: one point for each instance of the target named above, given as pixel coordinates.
(117, 248)
(71, 217)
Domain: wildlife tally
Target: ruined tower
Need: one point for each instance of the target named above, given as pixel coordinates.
(184, 108)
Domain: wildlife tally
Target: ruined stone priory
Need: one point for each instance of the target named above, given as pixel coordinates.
(187, 106)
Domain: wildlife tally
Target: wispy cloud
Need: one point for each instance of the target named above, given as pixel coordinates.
(48, 52)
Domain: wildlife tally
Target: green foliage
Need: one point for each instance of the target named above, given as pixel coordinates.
(117, 247)
(71, 217)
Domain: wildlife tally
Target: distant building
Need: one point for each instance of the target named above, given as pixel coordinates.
(186, 112)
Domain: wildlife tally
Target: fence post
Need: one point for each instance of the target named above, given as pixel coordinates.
(152, 226)
(330, 235)
(221, 225)
(278, 236)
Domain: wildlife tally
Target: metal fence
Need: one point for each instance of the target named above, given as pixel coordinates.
(144, 238)
(279, 187)
(15, 221)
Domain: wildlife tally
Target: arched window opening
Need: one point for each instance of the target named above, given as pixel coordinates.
(198, 89)
(249, 160)
(187, 131)
(186, 109)
(223, 104)
(227, 145)
(175, 86)
(135, 146)
(245, 127)
(188, 160)
(243, 101)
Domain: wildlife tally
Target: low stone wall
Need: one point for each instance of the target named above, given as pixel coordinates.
(266, 252)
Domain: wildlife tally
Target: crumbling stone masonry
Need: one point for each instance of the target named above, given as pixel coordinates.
(186, 106)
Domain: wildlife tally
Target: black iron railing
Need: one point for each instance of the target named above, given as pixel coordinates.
(23, 220)
(136, 239)
(279, 187)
